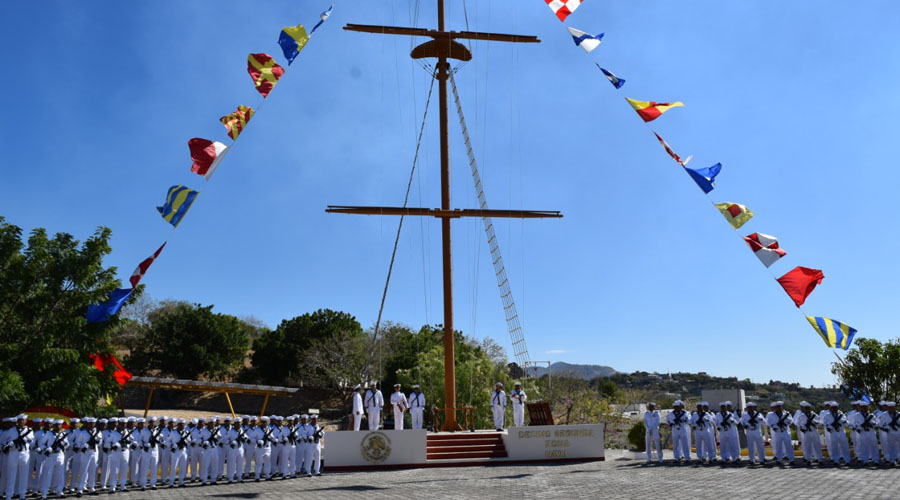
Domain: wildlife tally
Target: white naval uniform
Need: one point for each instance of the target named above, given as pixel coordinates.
(890, 432)
(827, 431)
(209, 457)
(177, 443)
(498, 407)
(232, 450)
(518, 398)
(89, 443)
(357, 410)
(807, 426)
(651, 435)
(262, 452)
(866, 441)
(373, 401)
(34, 461)
(416, 409)
(288, 451)
(781, 435)
(149, 441)
(840, 448)
(18, 455)
(854, 435)
(111, 442)
(249, 450)
(753, 422)
(53, 467)
(314, 450)
(399, 404)
(679, 422)
(195, 438)
(17, 460)
(729, 445)
(704, 441)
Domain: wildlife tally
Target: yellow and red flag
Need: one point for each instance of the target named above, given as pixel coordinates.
(650, 110)
(264, 71)
(235, 122)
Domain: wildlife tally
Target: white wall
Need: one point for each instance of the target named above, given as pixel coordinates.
(554, 442)
(348, 448)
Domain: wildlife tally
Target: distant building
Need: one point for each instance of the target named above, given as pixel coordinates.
(717, 396)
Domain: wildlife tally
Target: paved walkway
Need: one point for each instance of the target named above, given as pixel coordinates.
(615, 478)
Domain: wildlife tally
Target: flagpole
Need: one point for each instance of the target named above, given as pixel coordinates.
(839, 358)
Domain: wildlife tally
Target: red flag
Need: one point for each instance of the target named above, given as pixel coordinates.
(143, 266)
(799, 282)
(101, 360)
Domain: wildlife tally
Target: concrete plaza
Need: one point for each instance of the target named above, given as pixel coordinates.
(614, 478)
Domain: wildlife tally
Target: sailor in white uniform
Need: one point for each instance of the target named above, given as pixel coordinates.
(416, 406)
(726, 424)
(678, 421)
(518, 397)
(651, 436)
(373, 401)
(753, 422)
(890, 427)
(358, 408)
(807, 424)
(835, 421)
(400, 405)
(498, 405)
(866, 441)
(779, 423)
(704, 443)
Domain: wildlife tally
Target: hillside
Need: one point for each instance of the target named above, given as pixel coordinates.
(587, 372)
(689, 386)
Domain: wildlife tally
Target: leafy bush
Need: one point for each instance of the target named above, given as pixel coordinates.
(636, 436)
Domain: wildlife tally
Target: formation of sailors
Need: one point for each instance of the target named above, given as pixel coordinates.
(120, 453)
(866, 430)
(370, 403)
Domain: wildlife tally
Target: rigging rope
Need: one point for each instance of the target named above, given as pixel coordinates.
(399, 227)
(520, 350)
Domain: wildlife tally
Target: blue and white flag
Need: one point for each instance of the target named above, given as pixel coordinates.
(705, 177)
(322, 18)
(613, 79)
(584, 40)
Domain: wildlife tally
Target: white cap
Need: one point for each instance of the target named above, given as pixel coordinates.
(141, 420)
(102, 421)
(304, 416)
(21, 417)
(415, 386)
(728, 403)
(651, 403)
(498, 383)
(890, 404)
(804, 404)
(37, 420)
(372, 383)
(751, 403)
(114, 420)
(518, 383)
(74, 420)
(131, 419)
(863, 403)
(162, 418)
(58, 421)
(89, 420)
(226, 419)
(397, 385)
(195, 421)
(264, 418)
(180, 421)
(704, 403)
(678, 402)
(357, 387)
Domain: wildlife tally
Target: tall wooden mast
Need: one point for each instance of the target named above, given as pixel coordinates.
(443, 47)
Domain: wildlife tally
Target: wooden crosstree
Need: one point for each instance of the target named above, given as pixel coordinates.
(443, 46)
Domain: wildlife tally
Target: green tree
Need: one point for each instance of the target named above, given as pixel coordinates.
(872, 367)
(190, 341)
(476, 373)
(45, 342)
(278, 354)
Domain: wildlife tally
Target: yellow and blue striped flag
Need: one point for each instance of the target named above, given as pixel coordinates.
(834, 333)
(178, 202)
(292, 40)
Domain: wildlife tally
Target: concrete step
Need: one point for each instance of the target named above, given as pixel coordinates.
(465, 442)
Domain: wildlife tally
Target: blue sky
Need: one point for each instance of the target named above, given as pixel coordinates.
(798, 101)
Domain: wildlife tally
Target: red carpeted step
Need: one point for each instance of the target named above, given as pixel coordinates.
(457, 448)
(469, 455)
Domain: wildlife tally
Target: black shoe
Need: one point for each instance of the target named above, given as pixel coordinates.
(153, 488)
(257, 480)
